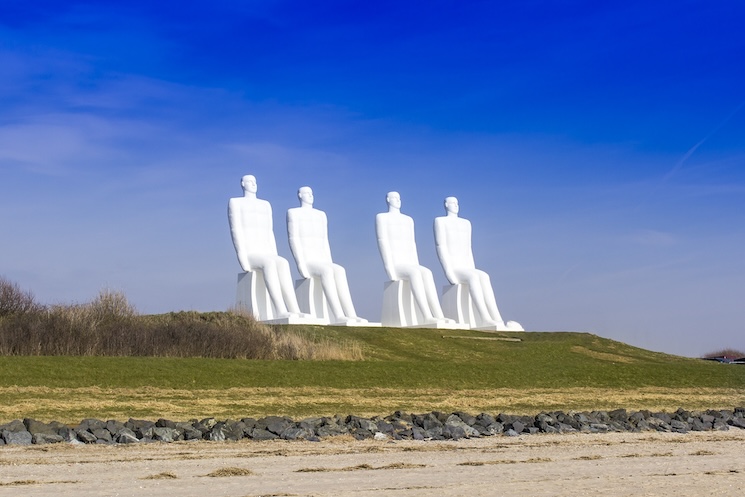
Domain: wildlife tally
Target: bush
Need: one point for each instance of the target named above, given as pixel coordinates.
(13, 300)
(728, 353)
(110, 326)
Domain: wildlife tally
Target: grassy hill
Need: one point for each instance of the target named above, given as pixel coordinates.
(405, 369)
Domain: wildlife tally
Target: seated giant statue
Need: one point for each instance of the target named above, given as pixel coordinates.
(453, 241)
(397, 245)
(307, 231)
(251, 228)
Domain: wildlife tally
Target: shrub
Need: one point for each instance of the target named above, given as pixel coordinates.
(13, 300)
(110, 326)
(728, 353)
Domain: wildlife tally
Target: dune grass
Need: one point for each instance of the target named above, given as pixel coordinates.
(414, 370)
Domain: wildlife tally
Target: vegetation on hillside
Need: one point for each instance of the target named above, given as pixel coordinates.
(110, 326)
(727, 353)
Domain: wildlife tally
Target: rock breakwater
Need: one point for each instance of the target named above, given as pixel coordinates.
(398, 426)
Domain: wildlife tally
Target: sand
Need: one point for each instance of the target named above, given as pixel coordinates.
(619, 464)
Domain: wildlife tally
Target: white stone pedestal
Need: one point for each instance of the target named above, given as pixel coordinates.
(311, 299)
(252, 296)
(457, 305)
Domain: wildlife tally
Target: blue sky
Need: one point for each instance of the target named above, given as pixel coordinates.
(598, 149)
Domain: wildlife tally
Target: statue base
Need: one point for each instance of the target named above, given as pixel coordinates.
(310, 320)
(508, 326)
(356, 324)
(253, 297)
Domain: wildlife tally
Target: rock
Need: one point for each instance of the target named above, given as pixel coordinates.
(516, 425)
(234, 430)
(619, 415)
(46, 438)
(274, 424)
(208, 422)
(511, 433)
(68, 434)
(465, 417)
(361, 434)
(455, 421)
(380, 436)
(86, 436)
(699, 425)
(165, 423)
(679, 426)
(296, 433)
(35, 427)
(737, 422)
(418, 433)
(262, 434)
(22, 437)
(250, 424)
(102, 435)
(14, 426)
(139, 427)
(453, 432)
(114, 427)
(362, 424)
(384, 427)
(427, 421)
(164, 434)
(126, 436)
(329, 430)
(485, 420)
(720, 425)
(91, 425)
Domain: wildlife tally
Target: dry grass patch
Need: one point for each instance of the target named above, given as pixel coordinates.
(588, 458)
(703, 453)
(362, 467)
(70, 405)
(505, 461)
(19, 483)
(229, 471)
(166, 475)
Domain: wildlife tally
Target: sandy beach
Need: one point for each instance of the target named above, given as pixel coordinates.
(638, 464)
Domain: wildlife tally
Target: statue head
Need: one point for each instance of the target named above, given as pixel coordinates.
(393, 199)
(248, 183)
(451, 205)
(305, 194)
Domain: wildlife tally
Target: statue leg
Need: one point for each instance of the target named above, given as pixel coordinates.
(478, 283)
(326, 273)
(342, 289)
(489, 299)
(269, 267)
(431, 290)
(418, 289)
(285, 281)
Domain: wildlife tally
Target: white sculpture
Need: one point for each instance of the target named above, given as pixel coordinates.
(397, 245)
(453, 241)
(307, 230)
(251, 228)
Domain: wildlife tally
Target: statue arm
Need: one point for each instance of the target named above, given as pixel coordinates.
(326, 244)
(238, 236)
(443, 253)
(384, 247)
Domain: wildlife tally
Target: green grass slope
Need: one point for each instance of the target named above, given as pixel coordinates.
(397, 358)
